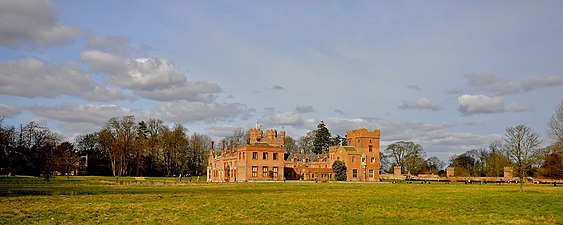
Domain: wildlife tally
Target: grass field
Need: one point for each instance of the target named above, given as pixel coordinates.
(80, 200)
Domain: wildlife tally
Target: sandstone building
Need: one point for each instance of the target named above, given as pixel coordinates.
(262, 158)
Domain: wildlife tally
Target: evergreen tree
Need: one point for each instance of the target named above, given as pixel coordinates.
(322, 139)
(339, 169)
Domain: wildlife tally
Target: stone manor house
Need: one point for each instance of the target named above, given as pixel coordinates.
(262, 158)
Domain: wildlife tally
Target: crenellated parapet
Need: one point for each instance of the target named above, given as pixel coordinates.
(272, 137)
(362, 133)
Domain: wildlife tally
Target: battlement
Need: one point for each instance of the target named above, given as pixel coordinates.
(272, 136)
(362, 132)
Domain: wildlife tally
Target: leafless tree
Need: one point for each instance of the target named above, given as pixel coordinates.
(123, 132)
(408, 155)
(521, 143)
(305, 143)
(555, 124)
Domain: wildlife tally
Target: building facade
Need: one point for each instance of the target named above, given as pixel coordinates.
(262, 158)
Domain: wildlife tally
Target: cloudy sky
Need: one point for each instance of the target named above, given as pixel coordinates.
(449, 75)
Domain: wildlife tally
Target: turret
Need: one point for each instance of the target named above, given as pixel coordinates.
(271, 134)
(255, 135)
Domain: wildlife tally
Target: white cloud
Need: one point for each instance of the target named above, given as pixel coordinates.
(196, 111)
(283, 119)
(148, 74)
(151, 78)
(32, 78)
(474, 104)
(195, 91)
(421, 104)
(94, 114)
(85, 118)
(497, 85)
(105, 93)
(32, 22)
(516, 107)
(221, 131)
(8, 111)
(536, 82)
(115, 44)
(477, 104)
(103, 62)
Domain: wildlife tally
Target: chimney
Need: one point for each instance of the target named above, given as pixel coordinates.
(231, 145)
(212, 145)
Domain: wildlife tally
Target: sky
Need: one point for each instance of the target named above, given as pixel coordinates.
(449, 75)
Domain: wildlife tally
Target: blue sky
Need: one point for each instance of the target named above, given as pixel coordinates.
(449, 75)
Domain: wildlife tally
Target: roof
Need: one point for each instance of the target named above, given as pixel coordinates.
(349, 148)
(260, 144)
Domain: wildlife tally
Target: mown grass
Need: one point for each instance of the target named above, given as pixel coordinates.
(164, 200)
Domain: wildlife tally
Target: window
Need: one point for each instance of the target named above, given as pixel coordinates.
(275, 171)
(275, 157)
(370, 148)
(255, 155)
(355, 173)
(264, 171)
(353, 159)
(265, 156)
(371, 173)
(372, 159)
(363, 159)
(254, 171)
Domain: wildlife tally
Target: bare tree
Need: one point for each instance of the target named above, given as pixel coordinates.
(305, 143)
(290, 145)
(239, 137)
(155, 129)
(521, 143)
(555, 124)
(66, 158)
(408, 155)
(123, 132)
(434, 164)
(198, 152)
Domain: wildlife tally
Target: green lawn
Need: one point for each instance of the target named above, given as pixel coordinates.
(80, 200)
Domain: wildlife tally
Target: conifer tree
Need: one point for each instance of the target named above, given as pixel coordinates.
(322, 139)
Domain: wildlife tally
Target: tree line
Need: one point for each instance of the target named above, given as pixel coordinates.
(519, 148)
(123, 147)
